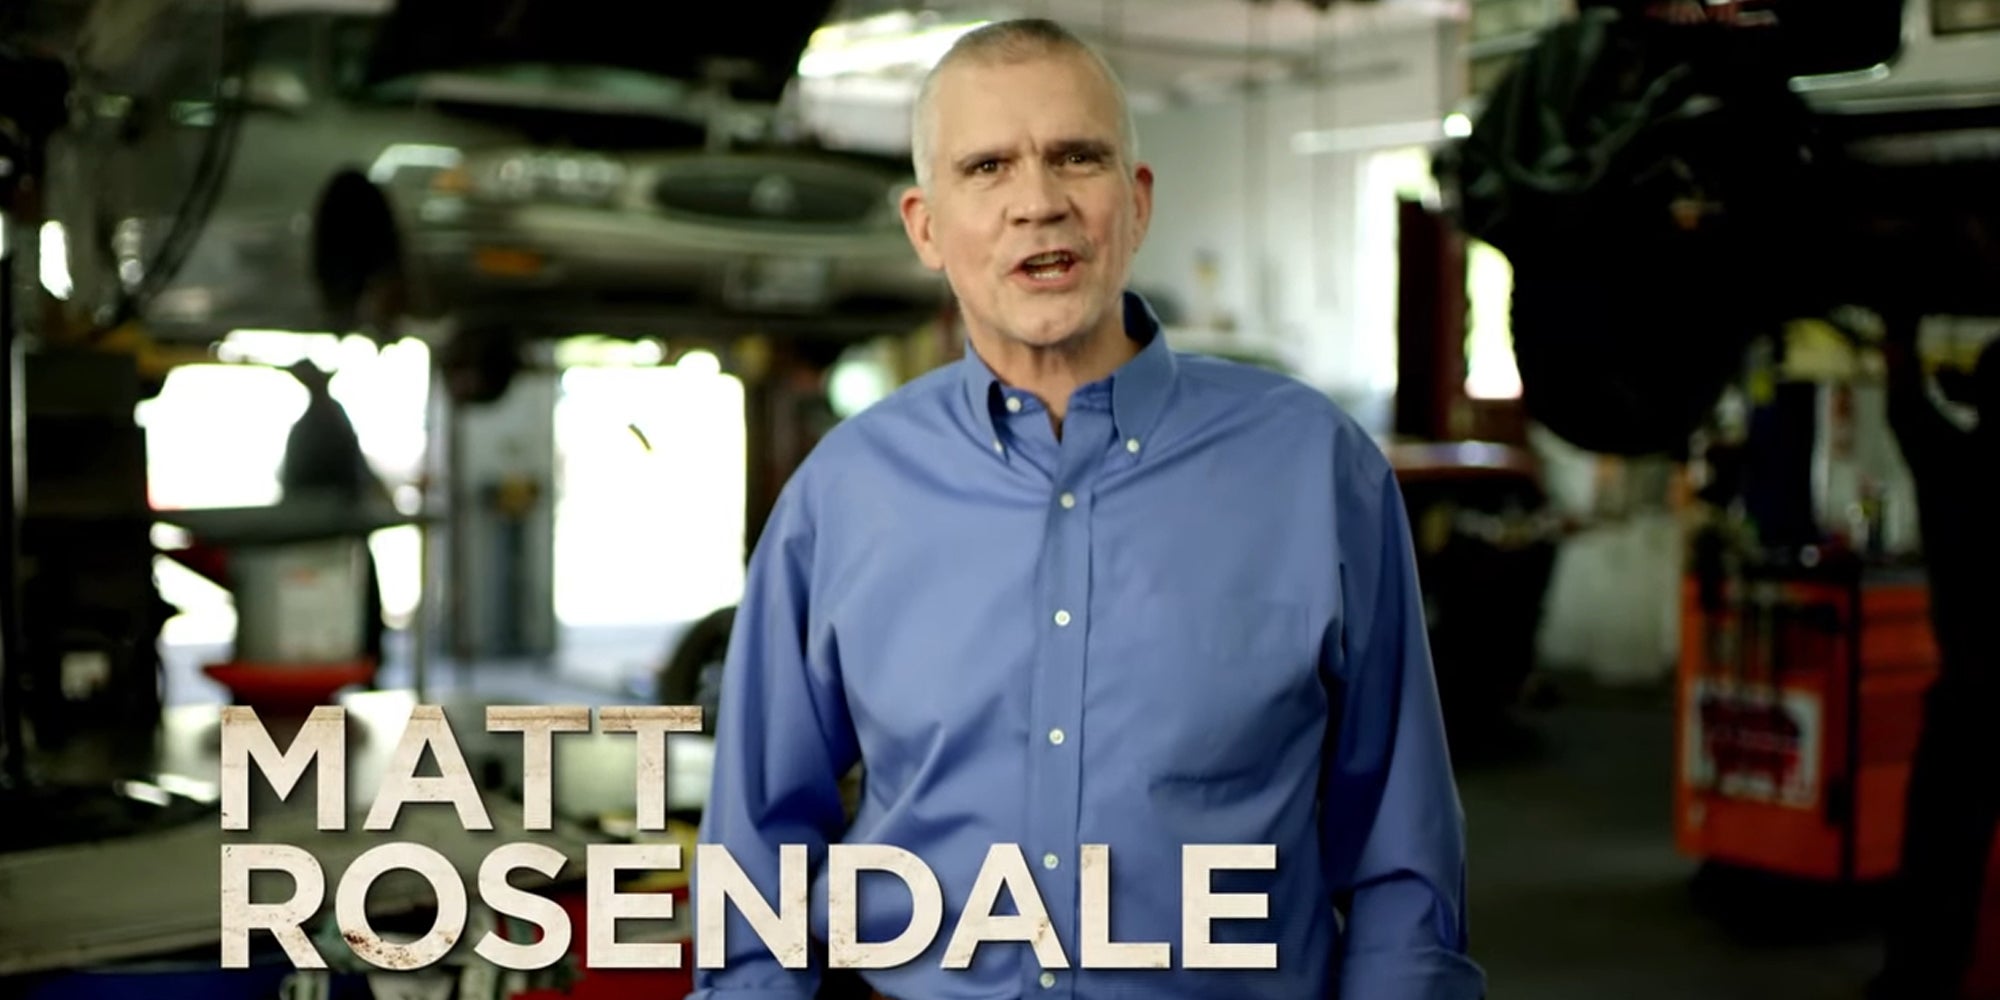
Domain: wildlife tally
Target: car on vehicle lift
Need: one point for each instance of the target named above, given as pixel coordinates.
(589, 224)
(1919, 134)
(505, 172)
(306, 120)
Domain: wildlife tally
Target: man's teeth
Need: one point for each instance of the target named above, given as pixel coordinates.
(1048, 266)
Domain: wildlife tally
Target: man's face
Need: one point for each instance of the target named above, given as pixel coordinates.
(1032, 213)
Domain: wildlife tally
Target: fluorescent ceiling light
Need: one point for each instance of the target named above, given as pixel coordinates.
(888, 43)
(1367, 138)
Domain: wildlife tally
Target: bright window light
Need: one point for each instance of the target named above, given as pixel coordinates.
(1491, 372)
(648, 525)
(604, 350)
(55, 260)
(216, 437)
(858, 382)
(699, 363)
(891, 42)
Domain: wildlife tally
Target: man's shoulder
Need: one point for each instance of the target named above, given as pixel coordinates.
(1271, 394)
(1215, 373)
(1276, 405)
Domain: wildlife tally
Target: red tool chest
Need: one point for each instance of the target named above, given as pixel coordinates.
(1800, 702)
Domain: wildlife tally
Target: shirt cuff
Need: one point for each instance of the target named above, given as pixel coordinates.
(1427, 974)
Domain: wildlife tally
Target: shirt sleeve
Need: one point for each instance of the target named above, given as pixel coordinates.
(1392, 820)
(783, 740)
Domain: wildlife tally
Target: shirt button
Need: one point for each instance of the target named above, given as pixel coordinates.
(1068, 500)
(1132, 445)
(1013, 404)
(997, 446)
(1056, 736)
(1062, 618)
(1050, 861)
(1048, 980)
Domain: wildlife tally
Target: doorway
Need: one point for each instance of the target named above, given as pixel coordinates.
(649, 518)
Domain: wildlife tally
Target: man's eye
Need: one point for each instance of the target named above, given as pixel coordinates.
(1079, 159)
(986, 166)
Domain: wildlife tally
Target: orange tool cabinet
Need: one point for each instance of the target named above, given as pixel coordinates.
(1800, 702)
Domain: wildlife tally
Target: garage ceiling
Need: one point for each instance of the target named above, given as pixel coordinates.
(1173, 49)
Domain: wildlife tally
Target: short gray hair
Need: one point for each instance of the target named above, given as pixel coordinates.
(1008, 42)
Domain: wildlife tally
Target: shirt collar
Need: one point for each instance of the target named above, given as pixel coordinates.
(1138, 388)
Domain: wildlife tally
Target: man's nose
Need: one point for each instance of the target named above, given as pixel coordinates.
(1041, 198)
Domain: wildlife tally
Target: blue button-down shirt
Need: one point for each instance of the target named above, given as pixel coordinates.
(1192, 618)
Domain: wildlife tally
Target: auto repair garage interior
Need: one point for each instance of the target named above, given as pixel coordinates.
(1620, 289)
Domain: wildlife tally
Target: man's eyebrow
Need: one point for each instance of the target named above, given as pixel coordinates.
(1059, 148)
(1096, 147)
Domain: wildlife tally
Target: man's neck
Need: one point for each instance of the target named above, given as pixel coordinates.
(1051, 374)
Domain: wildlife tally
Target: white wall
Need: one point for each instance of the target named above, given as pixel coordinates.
(1302, 239)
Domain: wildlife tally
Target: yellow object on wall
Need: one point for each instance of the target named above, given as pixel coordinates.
(1817, 352)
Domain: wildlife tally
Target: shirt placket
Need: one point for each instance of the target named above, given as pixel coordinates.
(1059, 747)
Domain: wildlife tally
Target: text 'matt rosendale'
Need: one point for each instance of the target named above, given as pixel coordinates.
(781, 924)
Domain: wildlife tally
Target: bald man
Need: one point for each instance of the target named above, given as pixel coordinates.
(1080, 605)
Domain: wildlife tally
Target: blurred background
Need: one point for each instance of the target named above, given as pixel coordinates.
(389, 353)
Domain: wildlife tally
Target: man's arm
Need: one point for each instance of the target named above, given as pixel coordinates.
(1391, 819)
(783, 741)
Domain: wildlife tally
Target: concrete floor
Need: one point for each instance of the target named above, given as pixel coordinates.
(1577, 891)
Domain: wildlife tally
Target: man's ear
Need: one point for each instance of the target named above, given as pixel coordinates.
(1142, 201)
(917, 224)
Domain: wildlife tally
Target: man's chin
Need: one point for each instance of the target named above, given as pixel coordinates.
(1050, 336)
(1053, 324)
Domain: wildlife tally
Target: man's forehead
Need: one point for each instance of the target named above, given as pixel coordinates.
(1059, 97)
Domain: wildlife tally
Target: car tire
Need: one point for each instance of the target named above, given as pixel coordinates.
(693, 674)
(479, 364)
(357, 258)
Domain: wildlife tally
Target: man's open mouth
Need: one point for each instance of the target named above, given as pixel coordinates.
(1049, 266)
